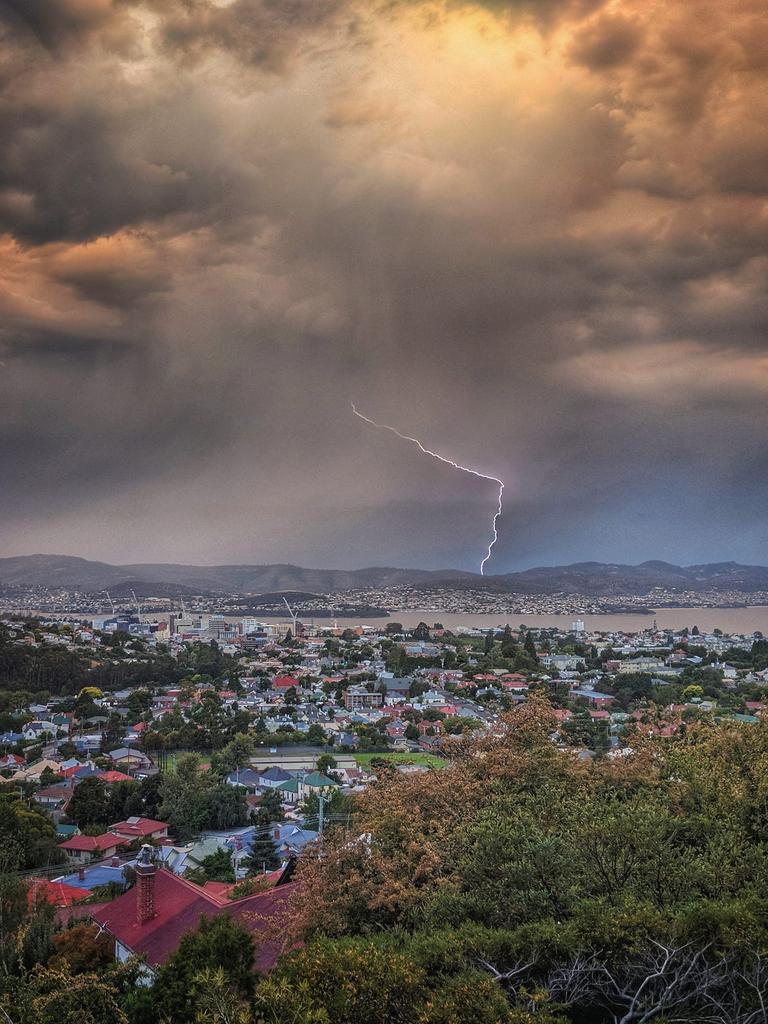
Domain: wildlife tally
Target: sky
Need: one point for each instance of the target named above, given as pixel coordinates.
(531, 233)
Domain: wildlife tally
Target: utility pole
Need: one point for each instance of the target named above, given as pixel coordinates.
(321, 806)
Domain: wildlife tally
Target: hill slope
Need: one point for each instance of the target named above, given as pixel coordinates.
(591, 578)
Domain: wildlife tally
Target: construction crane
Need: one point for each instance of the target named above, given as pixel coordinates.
(112, 603)
(293, 615)
(138, 606)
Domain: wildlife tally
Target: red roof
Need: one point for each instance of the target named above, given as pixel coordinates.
(218, 890)
(92, 844)
(285, 682)
(57, 893)
(114, 776)
(179, 905)
(138, 827)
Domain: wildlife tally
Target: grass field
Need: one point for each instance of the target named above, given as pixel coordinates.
(173, 755)
(431, 760)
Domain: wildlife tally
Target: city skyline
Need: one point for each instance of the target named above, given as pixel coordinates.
(531, 234)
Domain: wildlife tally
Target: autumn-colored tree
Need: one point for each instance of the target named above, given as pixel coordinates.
(81, 948)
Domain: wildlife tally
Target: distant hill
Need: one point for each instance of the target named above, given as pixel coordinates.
(590, 578)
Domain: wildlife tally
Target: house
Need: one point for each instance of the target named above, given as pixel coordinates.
(149, 920)
(56, 893)
(109, 778)
(33, 772)
(641, 664)
(96, 875)
(55, 798)
(66, 831)
(283, 683)
(360, 697)
(245, 778)
(273, 777)
(89, 743)
(316, 782)
(84, 849)
(347, 739)
(289, 791)
(593, 697)
(10, 762)
(396, 729)
(129, 759)
(561, 662)
(38, 730)
(291, 839)
(140, 828)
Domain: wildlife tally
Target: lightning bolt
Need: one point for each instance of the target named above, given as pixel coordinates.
(455, 465)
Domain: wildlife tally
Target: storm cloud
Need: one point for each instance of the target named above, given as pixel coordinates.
(532, 234)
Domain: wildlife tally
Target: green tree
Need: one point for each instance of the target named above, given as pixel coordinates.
(218, 943)
(216, 867)
(326, 763)
(89, 804)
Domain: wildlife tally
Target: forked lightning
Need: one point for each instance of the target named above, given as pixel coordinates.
(455, 465)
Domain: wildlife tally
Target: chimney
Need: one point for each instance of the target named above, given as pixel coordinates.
(115, 862)
(81, 873)
(145, 885)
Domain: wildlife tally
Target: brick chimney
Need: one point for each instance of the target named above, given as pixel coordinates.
(81, 874)
(145, 885)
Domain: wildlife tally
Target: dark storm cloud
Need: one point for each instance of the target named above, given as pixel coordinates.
(532, 234)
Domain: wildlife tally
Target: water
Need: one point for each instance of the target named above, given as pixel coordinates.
(730, 620)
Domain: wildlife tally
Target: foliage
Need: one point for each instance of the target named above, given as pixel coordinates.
(192, 800)
(27, 836)
(53, 995)
(216, 867)
(89, 804)
(81, 948)
(577, 889)
(218, 944)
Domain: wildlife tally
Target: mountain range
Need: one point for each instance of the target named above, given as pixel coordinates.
(589, 578)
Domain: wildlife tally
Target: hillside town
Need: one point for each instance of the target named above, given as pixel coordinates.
(167, 769)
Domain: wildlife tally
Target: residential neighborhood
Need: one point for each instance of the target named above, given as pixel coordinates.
(187, 776)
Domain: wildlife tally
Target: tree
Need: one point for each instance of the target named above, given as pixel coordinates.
(191, 800)
(81, 948)
(316, 736)
(411, 732)
(89, 804)
(337, 807)
(53, 995)
(218, 944)
(216, 867)
(236, 754)
(530, 647)
(326, 763)
(692, 692)
(35, 939)
(27, 836)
